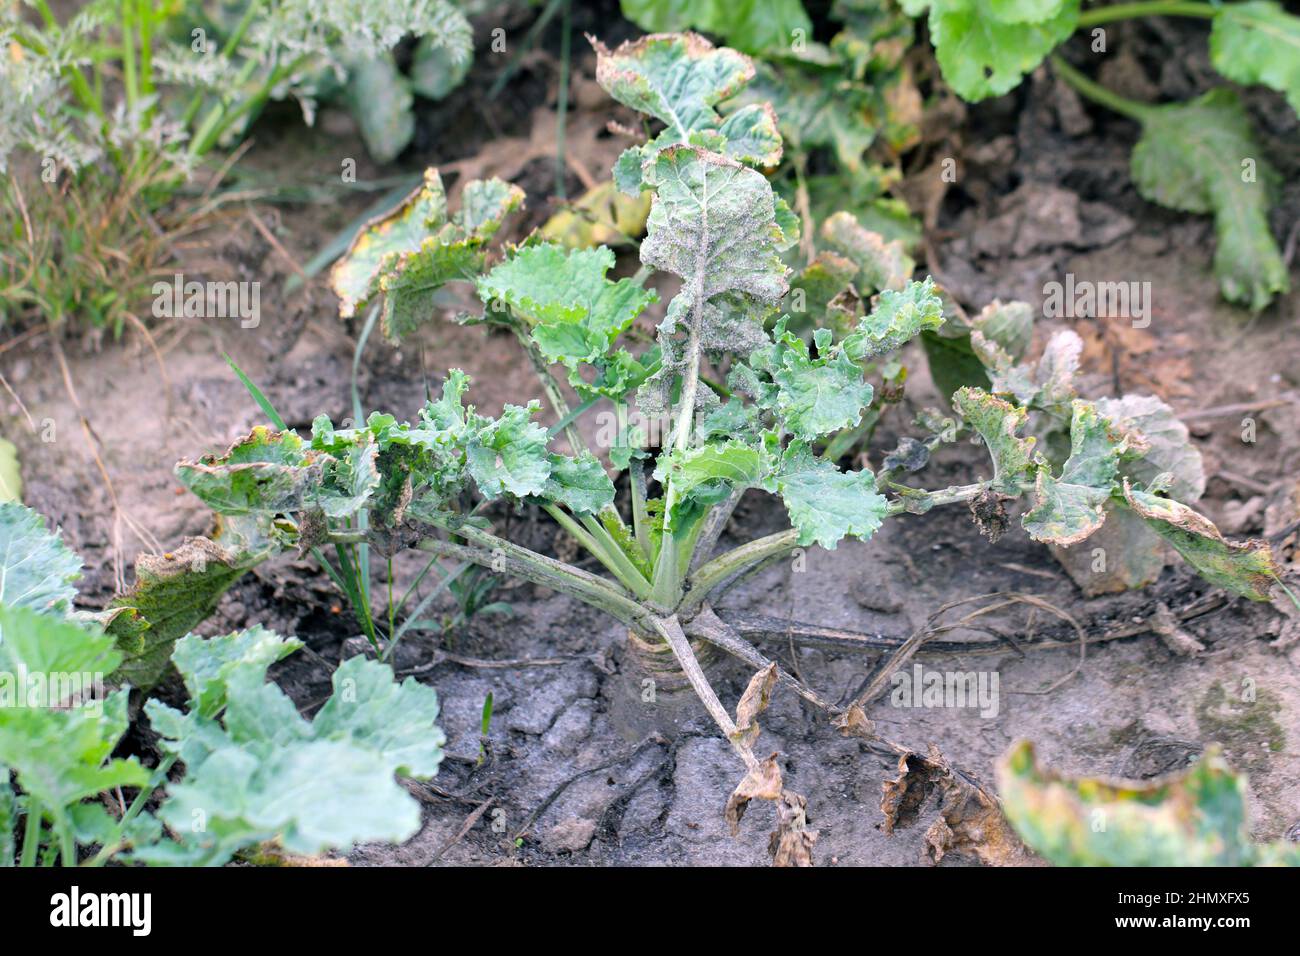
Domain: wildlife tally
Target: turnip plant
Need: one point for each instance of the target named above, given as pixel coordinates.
(749, 405)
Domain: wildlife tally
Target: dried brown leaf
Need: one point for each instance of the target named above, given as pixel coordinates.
(791, 842)
(763, 782)
(752, 703)
(970, 818)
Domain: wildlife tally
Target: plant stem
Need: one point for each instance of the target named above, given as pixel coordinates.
(31, 834)
(551, 386)
(606, 551)
(502, 556)
(67, 845)
(640, 513)
(1150, 8)
(700, 584)
(671, 631)
(1098, 93)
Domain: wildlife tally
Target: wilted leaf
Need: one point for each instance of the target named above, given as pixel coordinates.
(1162, 441)
(792, 841)
(1068, 508)
(760, 783)
(37, 569)
(752, 704)
(1193, 818)
(1245, 569)
(603, 215)
(880, 264)
(1009, 324)
(969, 820)
(172, 594)
(415, 250)
(997, 422)
(263, 474)
(353, 277)
(1131, 554)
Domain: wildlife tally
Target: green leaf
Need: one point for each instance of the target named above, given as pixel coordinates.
(436, 71)
(1197, 817)
(206, 664)
(1069, 508)
(1244, 569)
(484, 205)
(880, 264)
(1202, 157)
(580, 484)
(713, 224)
(679, 80)
(826, 504)
(8, 818)
(349, 482)
(270, 775)
(379, 99)
(371, 711)
(755, 26)
(310, 796)
(897, 319)
(952, 361)
(709, 472)
(997, 422)
(508, 455)
(985, 47)
(60, 754)
(818, 396)
(37, 569)
(574, 313)
(1258, 42)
